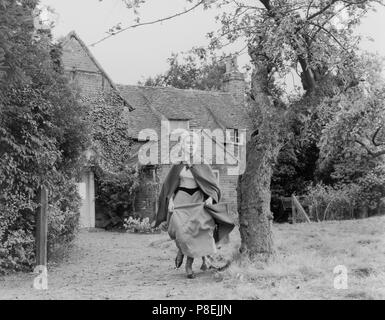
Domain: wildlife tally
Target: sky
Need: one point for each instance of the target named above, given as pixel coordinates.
(138, 53)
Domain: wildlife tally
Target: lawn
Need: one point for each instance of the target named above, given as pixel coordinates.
(306, 255)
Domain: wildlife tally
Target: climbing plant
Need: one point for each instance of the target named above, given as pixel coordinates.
(117, 178)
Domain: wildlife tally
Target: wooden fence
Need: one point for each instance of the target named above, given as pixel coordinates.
(293, 204)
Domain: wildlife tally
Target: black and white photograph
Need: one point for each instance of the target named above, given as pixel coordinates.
(190, 153)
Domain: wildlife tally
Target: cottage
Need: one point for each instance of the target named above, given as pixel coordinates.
(148, 108)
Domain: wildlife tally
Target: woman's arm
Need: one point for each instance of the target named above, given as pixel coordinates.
(209, 201)
(171, 203)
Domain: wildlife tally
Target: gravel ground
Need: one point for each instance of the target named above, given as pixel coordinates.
(113, 265)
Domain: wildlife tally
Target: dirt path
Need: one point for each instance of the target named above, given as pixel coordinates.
(111, 265)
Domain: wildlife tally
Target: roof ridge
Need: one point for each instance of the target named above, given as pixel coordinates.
(176, 89)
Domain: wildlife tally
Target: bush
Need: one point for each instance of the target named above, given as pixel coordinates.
(372, 187)
(346, 201)
(42, 135)
(16, 235)
(17, 225)
(331, 203)
(115, 191)
(32, 155)
(63, 215)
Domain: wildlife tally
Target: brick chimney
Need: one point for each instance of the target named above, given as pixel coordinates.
(234, 80)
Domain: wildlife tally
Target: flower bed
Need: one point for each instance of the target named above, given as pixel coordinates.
(141, 226)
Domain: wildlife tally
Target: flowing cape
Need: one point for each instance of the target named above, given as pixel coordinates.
(206, 181)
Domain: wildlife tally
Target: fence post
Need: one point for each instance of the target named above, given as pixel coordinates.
(299, 208)
(293, 211)
(41, 228)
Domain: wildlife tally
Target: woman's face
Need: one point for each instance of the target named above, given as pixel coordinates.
(190, 144)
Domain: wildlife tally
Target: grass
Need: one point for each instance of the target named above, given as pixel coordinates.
(305, 257)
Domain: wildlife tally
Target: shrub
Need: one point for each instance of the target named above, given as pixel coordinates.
(17, 224)
(42, 134)
(16, 234)
(372, 187)
(331, 203)
(63, 215)
(346, 201)
(115, 191)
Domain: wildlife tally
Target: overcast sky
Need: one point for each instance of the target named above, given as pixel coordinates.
(138, 53)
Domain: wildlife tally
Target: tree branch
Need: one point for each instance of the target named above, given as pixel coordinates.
(374, 154)
(328, 20)
(148, 23)
(322, 10)
(329, 33)
(375, 136)
(308, 9)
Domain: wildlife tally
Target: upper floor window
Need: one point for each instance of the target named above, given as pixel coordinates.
(232, 136)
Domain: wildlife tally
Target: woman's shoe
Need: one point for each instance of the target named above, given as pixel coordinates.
(179, 259)
(190, 273)
(204, 265)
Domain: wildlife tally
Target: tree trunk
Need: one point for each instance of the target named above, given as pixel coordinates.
(254, 196)
(253, 190)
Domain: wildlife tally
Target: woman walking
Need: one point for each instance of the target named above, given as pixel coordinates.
(189, 205)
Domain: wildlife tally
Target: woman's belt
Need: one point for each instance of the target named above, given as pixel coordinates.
(190, 191)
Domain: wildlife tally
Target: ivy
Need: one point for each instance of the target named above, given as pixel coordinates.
(117, 179)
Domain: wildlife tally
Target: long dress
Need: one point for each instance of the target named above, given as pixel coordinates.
(195, 226)
(191, 226)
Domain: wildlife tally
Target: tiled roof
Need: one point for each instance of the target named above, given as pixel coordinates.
(203, 109)
(149, 105)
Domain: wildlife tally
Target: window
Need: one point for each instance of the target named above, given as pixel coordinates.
(232, 136)
(233, 146)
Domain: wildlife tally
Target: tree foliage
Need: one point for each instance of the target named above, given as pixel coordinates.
(314, 38)
(352, 140)
(194, 70)
(42, 136)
